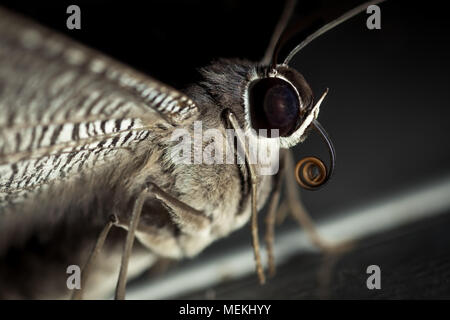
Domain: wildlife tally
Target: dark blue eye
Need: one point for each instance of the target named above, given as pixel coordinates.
(274, 104)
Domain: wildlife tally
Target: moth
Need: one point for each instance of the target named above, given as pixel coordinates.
(86, 158)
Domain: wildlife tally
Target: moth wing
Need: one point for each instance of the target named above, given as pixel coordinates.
(66, 109)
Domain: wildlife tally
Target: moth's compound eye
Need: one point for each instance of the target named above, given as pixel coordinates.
(274, 104)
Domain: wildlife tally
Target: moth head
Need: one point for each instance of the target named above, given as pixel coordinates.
(280, 98)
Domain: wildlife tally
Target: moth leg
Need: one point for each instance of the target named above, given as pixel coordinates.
(188, 219)
(254, 198)
(270, 221)
(301, 215)
(282, 213)
(132, 226)
(78, 294)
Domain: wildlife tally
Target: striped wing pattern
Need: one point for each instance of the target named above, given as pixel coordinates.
(65, 108)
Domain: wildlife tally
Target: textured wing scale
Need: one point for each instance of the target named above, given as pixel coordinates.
(65, 109)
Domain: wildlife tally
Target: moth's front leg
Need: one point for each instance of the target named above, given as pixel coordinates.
(188, 219)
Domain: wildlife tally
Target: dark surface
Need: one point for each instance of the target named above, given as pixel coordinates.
(414, 262)
(387, 113)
